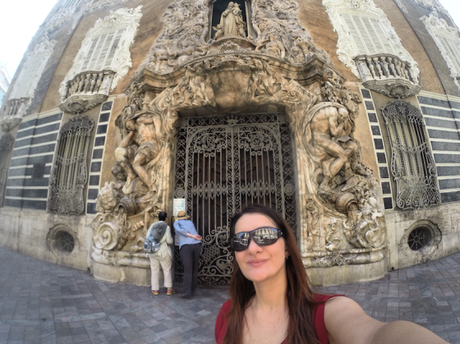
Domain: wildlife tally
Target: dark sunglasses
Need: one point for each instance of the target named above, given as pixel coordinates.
(262, 236)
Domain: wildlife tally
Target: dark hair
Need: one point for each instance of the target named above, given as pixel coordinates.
(162, 215)
(300, 298)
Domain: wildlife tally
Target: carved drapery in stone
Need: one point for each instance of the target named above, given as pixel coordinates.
(447, 39)
(412, 164)
(70, 171)
(105, 47)
(355, 18)
(339, 200)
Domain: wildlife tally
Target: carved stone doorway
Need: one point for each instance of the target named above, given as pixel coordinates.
(223, 164)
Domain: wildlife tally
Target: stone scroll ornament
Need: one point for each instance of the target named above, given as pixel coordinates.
(339, 201)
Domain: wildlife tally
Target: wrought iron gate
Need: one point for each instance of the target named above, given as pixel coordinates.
(223, 164)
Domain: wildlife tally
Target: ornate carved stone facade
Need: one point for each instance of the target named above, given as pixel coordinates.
(339, 201)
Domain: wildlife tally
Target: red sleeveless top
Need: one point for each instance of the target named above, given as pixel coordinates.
(318, 318)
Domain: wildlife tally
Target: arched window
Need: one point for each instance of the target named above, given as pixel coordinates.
(412, 164)
(70, 170)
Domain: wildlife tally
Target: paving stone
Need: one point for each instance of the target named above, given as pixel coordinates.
(64, 305)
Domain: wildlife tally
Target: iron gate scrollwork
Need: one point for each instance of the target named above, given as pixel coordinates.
(224, 163)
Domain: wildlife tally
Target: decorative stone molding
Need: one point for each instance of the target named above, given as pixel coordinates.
(28, 77)
(346, 47)
(16, 108)
(439, 30)
(98, 4)
(388, 74)
(8, 124)
(186, 29)
(430, 4)
(126, 19)
(87, 90)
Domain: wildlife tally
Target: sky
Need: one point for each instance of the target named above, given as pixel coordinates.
(20, 19)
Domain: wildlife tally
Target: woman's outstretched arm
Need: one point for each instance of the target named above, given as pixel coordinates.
(347, 323)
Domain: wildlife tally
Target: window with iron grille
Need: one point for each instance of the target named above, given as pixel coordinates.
(70, 170)
(412, 164)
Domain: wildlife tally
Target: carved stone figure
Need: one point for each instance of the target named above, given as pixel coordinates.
(340, 221)
(231, 22)
(330, 126)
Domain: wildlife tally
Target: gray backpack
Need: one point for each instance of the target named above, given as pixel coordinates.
(152, 242)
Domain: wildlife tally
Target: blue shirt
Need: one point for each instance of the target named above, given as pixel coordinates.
(183, 227)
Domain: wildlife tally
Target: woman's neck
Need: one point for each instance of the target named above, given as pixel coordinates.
(270, 295)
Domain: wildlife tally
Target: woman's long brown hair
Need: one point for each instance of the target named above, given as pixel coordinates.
(300, 298)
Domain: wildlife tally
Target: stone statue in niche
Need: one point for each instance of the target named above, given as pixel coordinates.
(231, 22)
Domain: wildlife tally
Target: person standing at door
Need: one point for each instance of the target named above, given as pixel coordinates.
(190, 249)
(163, 256)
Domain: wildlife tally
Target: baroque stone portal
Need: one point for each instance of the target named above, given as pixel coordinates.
(339, 202)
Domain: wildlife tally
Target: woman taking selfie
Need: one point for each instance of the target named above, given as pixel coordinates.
(271, 300)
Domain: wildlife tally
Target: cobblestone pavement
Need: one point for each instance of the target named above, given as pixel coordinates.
(45, 303)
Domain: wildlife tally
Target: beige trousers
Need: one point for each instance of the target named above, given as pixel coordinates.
(165, 262)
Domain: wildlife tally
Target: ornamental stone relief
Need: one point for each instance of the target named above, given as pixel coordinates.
(187, 24)
(339, 199)
(347, 50)
(127, 19)
(439, 30)
(25, 84)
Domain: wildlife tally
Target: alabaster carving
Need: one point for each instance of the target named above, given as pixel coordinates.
(430, 4)
(98, 4)
(341, 212)
(440, 30)
(8, 124)
(187, 26)
(122, 19)
(231, 22)
(346, 47)
(15, 108)
(388, 74)
(339, 200)
(87, 90)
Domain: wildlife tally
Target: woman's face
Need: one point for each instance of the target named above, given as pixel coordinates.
(260, 263)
